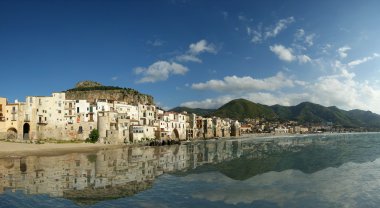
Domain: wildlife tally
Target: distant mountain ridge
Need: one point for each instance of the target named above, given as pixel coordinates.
(304, 113)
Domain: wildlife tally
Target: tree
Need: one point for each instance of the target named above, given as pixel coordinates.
(94, 136)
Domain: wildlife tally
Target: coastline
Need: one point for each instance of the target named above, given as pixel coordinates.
(15, 150)
(10, 150)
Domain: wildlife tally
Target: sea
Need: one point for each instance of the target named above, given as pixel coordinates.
(322, 170)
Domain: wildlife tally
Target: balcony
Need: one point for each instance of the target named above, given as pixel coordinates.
(42, 123)
(14, 112)
(26, 120)
(69, 108)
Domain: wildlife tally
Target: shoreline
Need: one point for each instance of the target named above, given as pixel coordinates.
(16, 150)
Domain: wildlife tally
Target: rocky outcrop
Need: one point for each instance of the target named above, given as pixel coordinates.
(91, 91)
(87, 84)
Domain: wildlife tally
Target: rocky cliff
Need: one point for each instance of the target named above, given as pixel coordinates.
(91, 91)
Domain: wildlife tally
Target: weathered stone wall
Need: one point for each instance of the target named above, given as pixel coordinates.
(119, 95)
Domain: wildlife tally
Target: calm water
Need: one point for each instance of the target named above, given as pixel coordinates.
(310, 171)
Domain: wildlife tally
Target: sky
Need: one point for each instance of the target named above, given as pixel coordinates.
(196, 53)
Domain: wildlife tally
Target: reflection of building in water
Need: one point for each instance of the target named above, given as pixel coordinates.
(125, 170)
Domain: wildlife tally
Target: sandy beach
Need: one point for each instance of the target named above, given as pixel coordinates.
(8, 149)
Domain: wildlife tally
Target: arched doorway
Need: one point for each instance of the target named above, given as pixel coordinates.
(175, 134)
(26, 129)
(23, 166)
(11, 134)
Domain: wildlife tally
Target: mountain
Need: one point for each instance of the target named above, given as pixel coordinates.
(307, 112)
(241, 108)
(91, 91)
(198, 111)
(304, 113)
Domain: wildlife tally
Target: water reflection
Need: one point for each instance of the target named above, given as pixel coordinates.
(87, 178)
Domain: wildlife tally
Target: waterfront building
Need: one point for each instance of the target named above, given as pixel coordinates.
(55, 117)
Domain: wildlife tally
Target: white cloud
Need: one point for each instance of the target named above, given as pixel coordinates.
(343, 51)
(283, 53)
(309, 39)
(281, 25)
(301, 36)
(209, 103)
(258, 35)
(156, 42)
(287, 54)
(188, 58)
(247, 83)
(195, 49)
(160, 71)
(325, 48)
(115, 78)
(303, 59)
(363, 60)
(300, 33)
(201, 47)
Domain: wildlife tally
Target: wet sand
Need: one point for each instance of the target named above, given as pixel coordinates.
(8, 149)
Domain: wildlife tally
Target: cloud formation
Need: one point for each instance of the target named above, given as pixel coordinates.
(301, 36)
(246, 83)
(339, 89)
(363, 60)
(343, 51)
(159, 71)
(258, 35)
(286, 54)
(283, 53)
(195, 49)
(281, 25)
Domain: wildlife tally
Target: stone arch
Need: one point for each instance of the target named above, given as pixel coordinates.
(175, 134)
(11, 134)
(25, 131)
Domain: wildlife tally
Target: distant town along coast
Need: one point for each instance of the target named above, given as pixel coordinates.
(112, 115)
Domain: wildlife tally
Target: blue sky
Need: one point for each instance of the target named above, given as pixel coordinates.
(196, 53)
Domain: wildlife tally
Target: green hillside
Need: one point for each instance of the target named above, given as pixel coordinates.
(307, 112)
(304, 113)
(241, 108)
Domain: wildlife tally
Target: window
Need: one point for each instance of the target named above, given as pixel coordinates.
(77, 109)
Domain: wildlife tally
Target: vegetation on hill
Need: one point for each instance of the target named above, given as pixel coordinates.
(240, 109)
(307, 112)
(91, 91)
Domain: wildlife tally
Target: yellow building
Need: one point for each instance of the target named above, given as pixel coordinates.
(3, 130)
(16, 125)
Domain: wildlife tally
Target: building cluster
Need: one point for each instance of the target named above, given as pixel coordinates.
(260, 125)
(58, 118)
